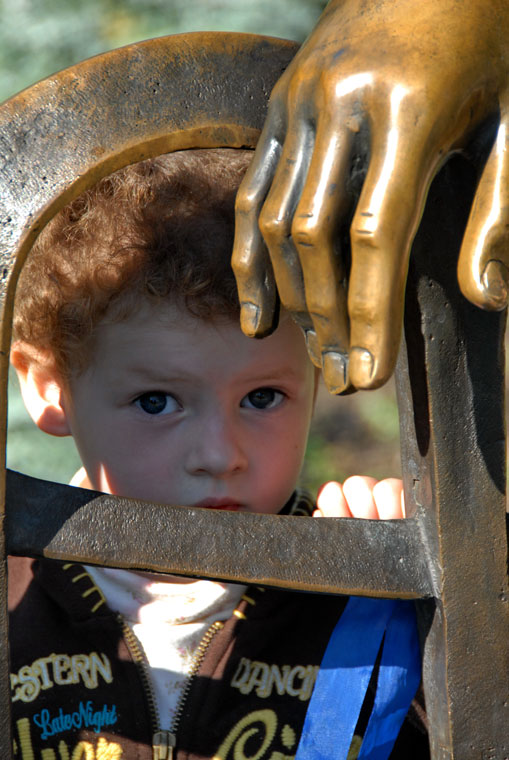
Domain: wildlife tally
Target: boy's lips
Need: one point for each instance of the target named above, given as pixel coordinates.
(226, 504)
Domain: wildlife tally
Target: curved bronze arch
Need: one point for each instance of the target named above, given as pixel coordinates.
(64, 133)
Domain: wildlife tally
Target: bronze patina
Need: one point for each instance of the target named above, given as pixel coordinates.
(388, 89)
(59, 137)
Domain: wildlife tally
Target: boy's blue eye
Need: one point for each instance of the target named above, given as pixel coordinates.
(156, 402)
(262, 398)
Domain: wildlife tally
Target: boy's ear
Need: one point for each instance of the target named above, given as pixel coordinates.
(42, 389)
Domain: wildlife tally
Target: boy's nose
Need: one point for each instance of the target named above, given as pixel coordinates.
(218, 449)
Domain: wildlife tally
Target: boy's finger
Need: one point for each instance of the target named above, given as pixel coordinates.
(358, 491)
(331, 501)
(389, 499)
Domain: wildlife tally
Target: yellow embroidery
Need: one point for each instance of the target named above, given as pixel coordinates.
(104, 750)
(79, 577)
(108, 750)
(59, 670)
(83, 751)
(355, 748)
(296, 681)
(25, 741)
(248, 599)
(91, 590)
(98, 604)
(240, 615)
(288, 737)
(260, 723)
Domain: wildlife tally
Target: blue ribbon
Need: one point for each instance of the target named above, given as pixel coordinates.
(344, 675)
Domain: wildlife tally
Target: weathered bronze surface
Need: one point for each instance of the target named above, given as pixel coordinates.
(451, 404)
(5, 691)
(396, 85)
(66, 132)
(61, 522)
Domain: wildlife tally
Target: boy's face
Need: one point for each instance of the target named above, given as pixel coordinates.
(176, 410)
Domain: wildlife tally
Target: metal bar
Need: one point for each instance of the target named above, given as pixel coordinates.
(5, 694)
(338, 556)
(452, 413)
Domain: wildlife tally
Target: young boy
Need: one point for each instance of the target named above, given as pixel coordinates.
(127, 338)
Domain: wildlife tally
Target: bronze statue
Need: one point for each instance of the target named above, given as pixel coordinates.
(409, 83)
(438, 77)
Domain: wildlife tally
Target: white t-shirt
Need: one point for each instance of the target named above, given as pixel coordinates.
(169, 620)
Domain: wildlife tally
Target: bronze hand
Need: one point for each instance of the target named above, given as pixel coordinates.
(413, 80)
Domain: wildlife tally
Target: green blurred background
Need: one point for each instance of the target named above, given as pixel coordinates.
(357, 434)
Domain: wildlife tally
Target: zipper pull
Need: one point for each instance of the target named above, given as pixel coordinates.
(163, 743)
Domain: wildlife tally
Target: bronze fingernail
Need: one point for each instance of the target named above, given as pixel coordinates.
(364, 364)
(494, 279)
(313, 347)
(249, 318)
(335, 371)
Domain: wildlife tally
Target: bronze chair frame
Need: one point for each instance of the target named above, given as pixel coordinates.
(211, 90)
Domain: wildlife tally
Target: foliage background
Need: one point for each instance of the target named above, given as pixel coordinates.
(38, 37)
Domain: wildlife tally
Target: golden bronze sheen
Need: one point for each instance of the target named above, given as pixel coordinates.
(62, 135)
(406, 83)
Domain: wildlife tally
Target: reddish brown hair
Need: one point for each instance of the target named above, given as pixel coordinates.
(159, 229)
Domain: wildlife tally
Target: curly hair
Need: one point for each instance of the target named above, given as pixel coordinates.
(159, 229)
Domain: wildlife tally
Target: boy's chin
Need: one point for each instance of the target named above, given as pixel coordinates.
(80, 479)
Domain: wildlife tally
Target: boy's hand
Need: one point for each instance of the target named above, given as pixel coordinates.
(362, 496)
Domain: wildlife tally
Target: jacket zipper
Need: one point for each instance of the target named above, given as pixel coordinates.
(164, 741)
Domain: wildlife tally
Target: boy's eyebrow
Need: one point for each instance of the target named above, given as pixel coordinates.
(283, 373)
(147, 373)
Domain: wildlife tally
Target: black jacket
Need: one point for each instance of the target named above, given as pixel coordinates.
(79, 678)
